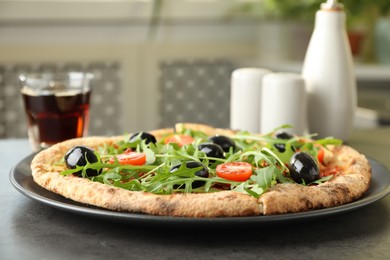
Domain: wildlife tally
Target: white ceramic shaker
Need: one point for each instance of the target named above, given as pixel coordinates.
(245, 98)
(283, 101)
(329, 75)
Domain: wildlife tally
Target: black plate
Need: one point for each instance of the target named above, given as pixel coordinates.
(21, 179)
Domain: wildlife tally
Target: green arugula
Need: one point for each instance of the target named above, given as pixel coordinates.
(269, 164)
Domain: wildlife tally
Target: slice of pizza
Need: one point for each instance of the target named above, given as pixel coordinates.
(197, 170)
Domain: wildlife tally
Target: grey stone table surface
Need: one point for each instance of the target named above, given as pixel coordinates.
(32, 230)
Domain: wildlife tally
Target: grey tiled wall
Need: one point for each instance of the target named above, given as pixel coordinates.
(195, 91)
(190, 91)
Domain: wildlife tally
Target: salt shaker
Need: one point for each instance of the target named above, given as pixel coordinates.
(283, 101)
(245, 98)
(328, 72)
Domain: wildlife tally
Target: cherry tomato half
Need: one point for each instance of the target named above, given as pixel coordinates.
(234, 171)
(321, 155)
(130, 158)
(180, 139)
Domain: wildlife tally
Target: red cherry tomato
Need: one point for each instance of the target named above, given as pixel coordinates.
(235, 171)
(321, 155)
(180, 139)
(130, 158)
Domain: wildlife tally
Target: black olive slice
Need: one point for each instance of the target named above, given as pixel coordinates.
(211, 150)
(223, 141)
(79, 156)
(303, 168)
(149, 138)
(204, 172)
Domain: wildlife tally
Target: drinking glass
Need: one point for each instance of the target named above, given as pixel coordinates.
(56, 106)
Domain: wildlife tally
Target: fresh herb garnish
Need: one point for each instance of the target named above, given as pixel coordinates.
(269, 164)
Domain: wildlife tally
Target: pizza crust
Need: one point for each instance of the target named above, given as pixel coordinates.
(282, 198)
(219, 204)
(342, 189)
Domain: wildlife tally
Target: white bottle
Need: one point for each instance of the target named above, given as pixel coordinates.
(329, 75)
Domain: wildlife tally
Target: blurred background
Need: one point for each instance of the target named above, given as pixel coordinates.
(161, 61)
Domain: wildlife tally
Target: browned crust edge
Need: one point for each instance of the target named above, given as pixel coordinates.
(282, 198)
(345, 188)
(218, 204)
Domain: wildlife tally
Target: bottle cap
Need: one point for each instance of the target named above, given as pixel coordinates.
(332, 5)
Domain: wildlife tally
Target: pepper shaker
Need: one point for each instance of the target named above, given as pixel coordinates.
(283, 102)
(245, 99)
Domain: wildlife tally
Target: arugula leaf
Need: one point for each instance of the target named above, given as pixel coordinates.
(322, 180)
(269, 164)
(265, 177)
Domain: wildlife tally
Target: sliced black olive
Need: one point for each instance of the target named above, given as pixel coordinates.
(79, 156)
(223, 141)
(211, 150)
(149, 138)
(303, 168)
(204, 172)
(281, 147)
(285, 136)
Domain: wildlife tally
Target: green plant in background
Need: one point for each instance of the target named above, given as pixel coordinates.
(304, 10)
(155, 18)
(362, 16)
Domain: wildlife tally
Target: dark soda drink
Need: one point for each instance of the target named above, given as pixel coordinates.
(55, 117)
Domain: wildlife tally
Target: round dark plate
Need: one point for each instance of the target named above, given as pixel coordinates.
(22, 180)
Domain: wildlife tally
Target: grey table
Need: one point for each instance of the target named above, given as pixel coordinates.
(32, 230)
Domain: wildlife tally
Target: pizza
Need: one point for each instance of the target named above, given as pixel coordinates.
(198, 171)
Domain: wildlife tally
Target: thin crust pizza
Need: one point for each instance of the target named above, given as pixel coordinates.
(197, 170)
